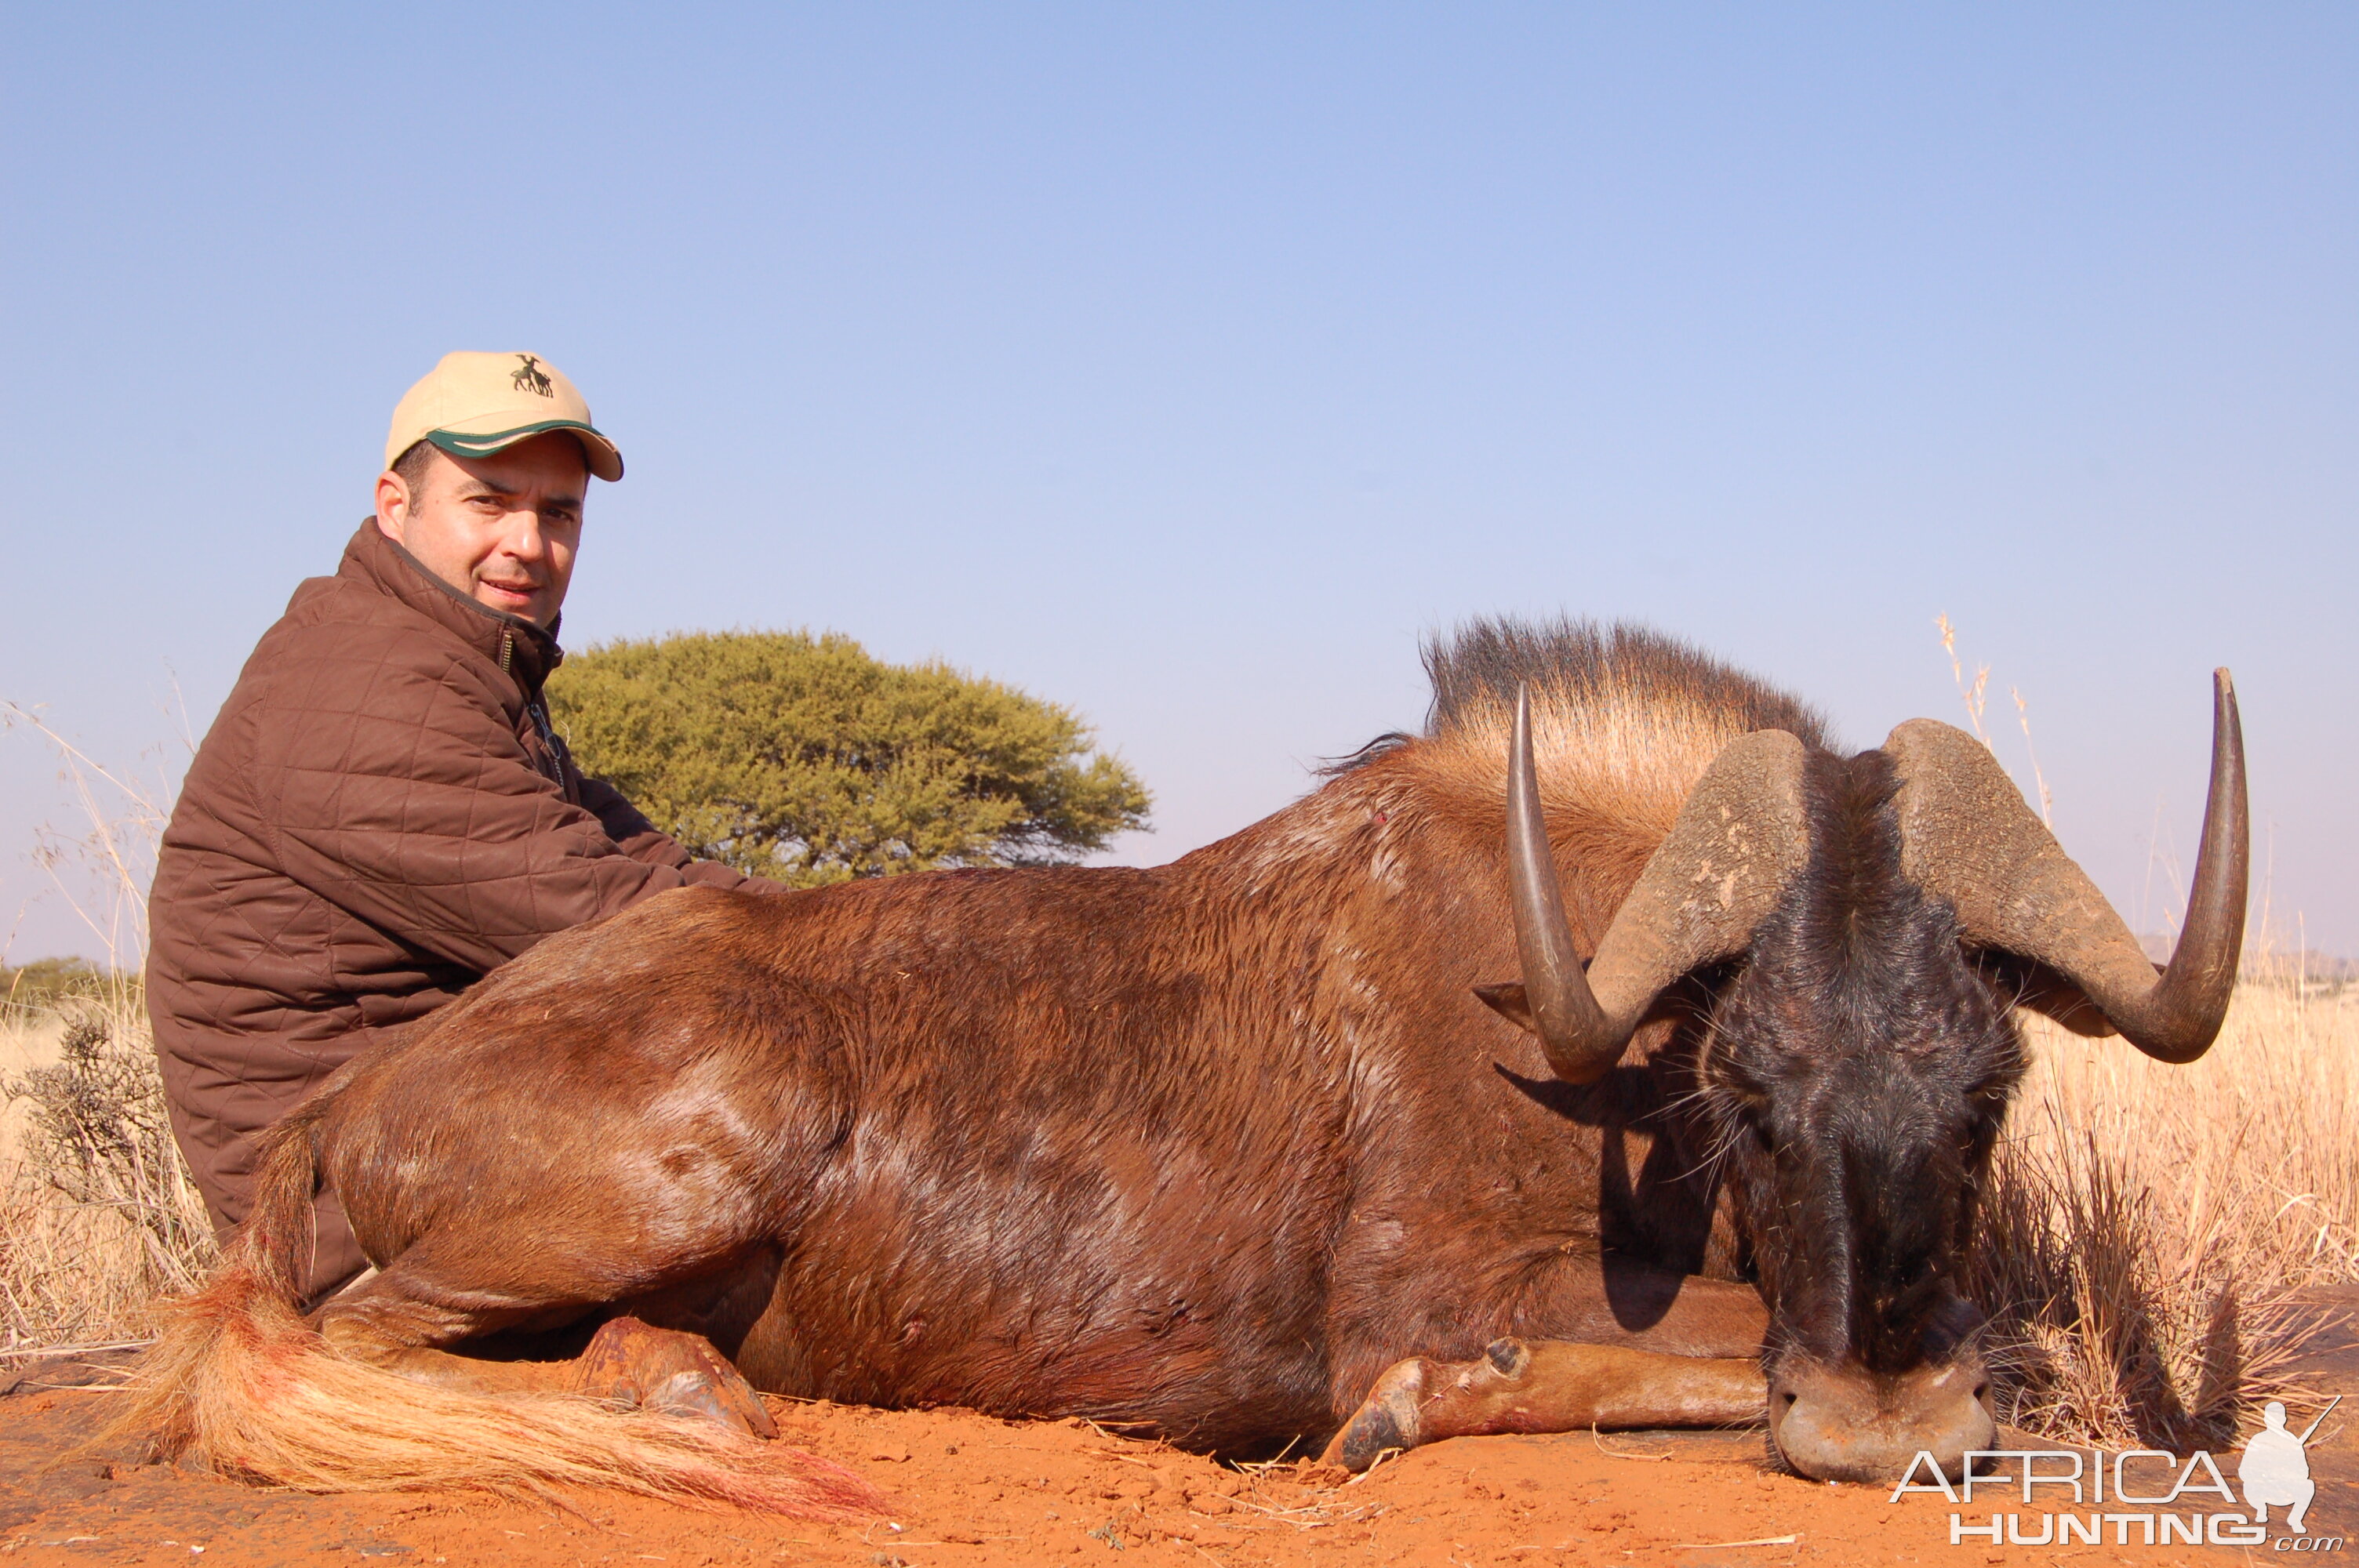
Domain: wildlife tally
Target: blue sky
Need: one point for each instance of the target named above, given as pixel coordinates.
(1186, 364)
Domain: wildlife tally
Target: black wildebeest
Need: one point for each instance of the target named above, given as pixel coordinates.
(1210, 1148)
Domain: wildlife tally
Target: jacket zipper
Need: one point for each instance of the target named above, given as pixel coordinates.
(540, 724)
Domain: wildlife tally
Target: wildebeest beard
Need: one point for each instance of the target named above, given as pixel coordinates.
(1855, 1075)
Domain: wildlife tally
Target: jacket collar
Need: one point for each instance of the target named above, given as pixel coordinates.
(511, 642)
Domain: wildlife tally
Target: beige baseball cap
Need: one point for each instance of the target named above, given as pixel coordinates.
(472, 405)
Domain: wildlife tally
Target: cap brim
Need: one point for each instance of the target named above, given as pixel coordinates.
(604, 457)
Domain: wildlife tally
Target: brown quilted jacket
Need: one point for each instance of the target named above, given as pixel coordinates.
(379, 816)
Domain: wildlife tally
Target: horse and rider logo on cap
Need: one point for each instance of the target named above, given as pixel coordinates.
(529, 377)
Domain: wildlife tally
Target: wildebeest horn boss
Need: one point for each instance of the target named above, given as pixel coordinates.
(1226, 1149)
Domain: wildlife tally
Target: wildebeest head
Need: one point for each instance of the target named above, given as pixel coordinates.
(1877, 917)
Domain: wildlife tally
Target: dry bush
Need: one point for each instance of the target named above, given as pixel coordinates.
(2150, 1230)
(98, 1216)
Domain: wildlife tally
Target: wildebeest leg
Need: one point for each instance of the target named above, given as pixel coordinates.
(1549, 1385)
(399, 1321)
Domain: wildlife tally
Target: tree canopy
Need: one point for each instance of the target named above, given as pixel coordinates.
(802, 758)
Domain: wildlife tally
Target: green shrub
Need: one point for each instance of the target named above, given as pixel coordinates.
(46, 981)
(803, 759)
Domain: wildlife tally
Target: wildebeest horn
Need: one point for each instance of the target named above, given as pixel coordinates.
(1967, 835)
(1740, 835)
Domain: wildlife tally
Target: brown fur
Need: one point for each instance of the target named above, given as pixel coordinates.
(1203, 1147)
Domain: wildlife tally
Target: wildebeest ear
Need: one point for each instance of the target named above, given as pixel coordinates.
(1508, 1002)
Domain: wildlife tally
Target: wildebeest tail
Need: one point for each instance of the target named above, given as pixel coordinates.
(239, 1383)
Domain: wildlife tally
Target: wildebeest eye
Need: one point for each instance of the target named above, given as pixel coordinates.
(1733, 1081)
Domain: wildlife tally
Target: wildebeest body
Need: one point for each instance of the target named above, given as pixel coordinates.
(1200, 1147)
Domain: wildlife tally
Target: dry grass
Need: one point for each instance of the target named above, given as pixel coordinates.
(2151, 1230)
(98, 1218)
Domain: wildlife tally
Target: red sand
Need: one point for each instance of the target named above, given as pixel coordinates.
(969, 1490)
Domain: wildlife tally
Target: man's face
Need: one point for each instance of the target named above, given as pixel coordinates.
(501, 529)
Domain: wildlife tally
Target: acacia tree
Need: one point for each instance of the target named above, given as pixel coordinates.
(802, 758)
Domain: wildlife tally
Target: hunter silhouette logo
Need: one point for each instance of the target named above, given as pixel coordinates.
(529, 377)
(2276, 1468)
(2155, 1498)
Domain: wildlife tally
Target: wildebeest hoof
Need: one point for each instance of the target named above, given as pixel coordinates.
(721, 1398)
(632, 1363)
(1386, 1421)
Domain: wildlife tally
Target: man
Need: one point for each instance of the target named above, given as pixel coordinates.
(380, 812)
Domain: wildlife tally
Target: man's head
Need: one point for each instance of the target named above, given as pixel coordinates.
(501, 529)
(485, 469)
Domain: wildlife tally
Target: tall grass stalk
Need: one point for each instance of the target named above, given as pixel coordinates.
(2152, 1232)
(98, 1216)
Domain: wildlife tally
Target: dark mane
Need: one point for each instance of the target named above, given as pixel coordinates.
(1476, 668)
